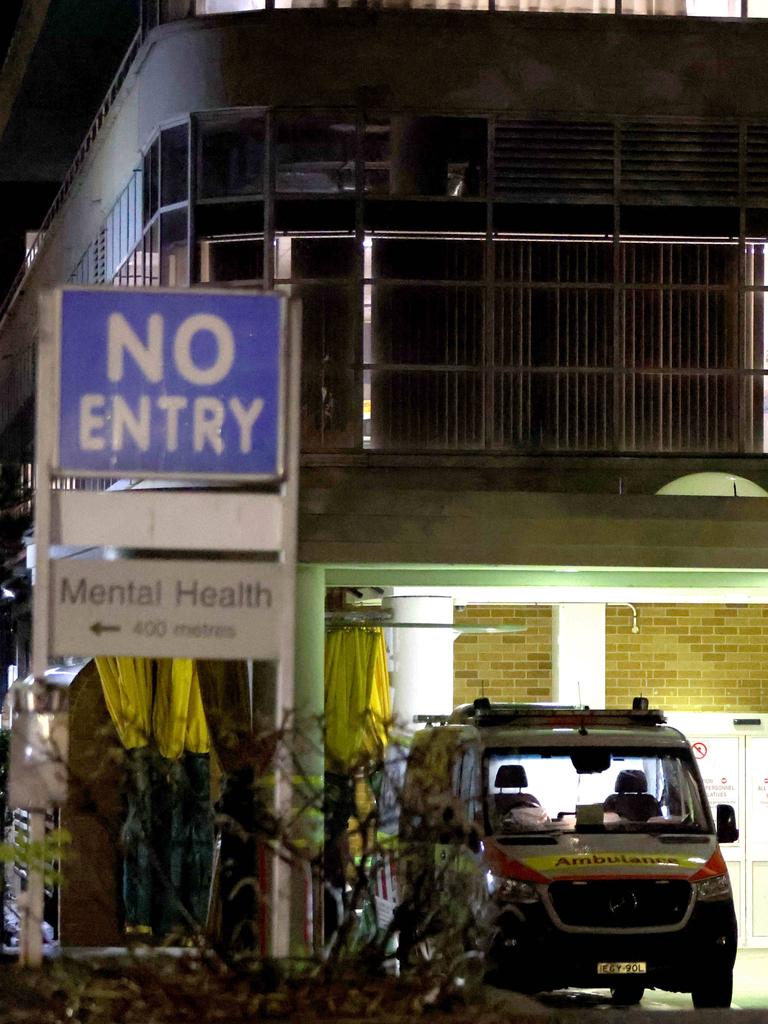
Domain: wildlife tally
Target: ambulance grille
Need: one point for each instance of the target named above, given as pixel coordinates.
(631, 903)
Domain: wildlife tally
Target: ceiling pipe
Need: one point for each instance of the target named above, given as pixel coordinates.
(626, 604)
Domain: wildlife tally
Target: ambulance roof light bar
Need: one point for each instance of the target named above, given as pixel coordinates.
(484, 713)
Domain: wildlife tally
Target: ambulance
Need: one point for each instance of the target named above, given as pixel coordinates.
(578, 841)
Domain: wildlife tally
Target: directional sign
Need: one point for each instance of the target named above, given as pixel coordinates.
(165, 609)
(172, 383)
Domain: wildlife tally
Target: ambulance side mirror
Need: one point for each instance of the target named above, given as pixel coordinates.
(727, 830)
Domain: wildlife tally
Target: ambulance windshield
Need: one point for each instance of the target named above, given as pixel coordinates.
(624, 790)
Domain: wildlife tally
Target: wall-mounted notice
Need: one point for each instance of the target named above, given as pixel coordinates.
(718, 761)
(757, 783)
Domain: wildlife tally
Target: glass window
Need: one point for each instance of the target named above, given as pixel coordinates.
(320, 270)
(151, 181)
(227, 6)
(552, 789)
(174, 149)
(174, 251)
(569, 6)
(439, 156)
(315, 154)
(330, 399)
(376, 156)
(232, 156)
(232, 258)
(317, 258)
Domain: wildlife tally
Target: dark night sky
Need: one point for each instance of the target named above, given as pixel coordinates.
(23, 206)
(9, 12)
(78, 51)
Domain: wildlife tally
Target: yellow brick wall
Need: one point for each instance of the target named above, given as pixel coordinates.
(511, 667)
(684, 658)
(689, 657)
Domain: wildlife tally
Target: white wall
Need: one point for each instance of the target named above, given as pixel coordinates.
(578, 654)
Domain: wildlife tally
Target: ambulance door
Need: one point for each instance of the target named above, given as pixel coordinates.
(720, 760)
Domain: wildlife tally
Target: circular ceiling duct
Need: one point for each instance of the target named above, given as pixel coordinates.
(724, 485)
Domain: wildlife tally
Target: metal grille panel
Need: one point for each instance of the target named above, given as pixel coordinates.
(555, 158)
(630, 903)
(757, 161)
(700, 161)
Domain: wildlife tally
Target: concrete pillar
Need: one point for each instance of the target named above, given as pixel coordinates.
(422, 659)
(578, 654)
(309, 692)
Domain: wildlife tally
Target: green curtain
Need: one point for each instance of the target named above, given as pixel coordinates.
(167, 836)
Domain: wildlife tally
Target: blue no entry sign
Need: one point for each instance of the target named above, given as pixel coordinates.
(183, 383)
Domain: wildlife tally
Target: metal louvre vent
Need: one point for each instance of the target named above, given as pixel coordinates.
(553, 158)
(682, 160)
(757, 161)
(631, 903)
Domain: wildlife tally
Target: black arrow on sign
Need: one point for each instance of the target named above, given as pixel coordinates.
(99, 627)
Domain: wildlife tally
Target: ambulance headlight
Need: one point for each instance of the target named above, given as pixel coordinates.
(717, 888)
(511, 890)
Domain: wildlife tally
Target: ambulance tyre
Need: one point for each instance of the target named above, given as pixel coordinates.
(714, 991)
(627, 993)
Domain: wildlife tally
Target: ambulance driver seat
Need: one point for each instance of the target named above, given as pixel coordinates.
(632, 799)
(512, 776)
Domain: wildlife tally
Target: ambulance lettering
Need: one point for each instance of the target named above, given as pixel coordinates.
(596, 860)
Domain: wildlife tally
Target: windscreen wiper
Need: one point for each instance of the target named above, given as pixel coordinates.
(682, 837)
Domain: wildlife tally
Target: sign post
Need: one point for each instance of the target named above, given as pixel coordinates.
(198, 390)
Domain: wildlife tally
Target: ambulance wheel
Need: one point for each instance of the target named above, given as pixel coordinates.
(627, 993)
(715, 991)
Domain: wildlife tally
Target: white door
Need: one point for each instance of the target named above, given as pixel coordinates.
(755, 832)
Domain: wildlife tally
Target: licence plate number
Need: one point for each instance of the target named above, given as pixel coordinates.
(623, 967)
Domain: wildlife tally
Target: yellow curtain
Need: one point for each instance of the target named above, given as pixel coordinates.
(127, 686)
(178, 721)
(173, 714)
(357, 702)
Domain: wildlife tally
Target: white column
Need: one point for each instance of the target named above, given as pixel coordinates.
(578, 654)
(422, 659)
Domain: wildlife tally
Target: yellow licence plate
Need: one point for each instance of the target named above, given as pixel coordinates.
(623, 967)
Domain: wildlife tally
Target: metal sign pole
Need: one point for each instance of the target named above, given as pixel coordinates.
(283, 871)
(30, 925)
